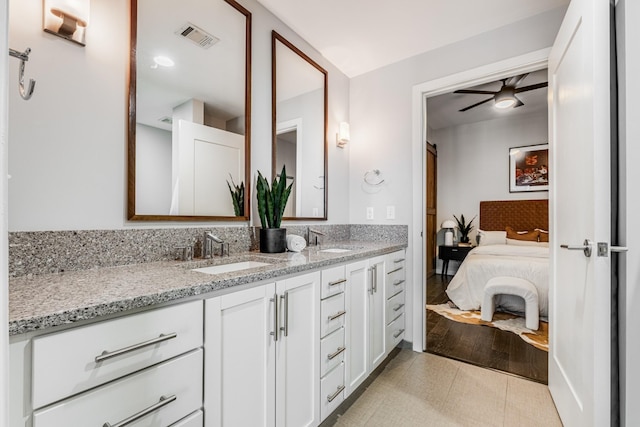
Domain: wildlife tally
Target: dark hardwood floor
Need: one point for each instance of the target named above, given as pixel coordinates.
(480, 345)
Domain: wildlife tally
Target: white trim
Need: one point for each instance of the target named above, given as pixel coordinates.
(487, 73)
(4, 240)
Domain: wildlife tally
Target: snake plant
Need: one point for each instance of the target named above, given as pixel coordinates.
(464, 228)
(272, 200)
(237, 196)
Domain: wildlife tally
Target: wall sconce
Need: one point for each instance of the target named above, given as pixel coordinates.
(342, 137)
(448, 225)
(67, 19)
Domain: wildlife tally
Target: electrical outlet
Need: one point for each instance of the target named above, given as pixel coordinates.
(370, 212)
(391, 212)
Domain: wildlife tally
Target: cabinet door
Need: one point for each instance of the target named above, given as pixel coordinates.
(240, 358)
(377, 303)
(298, 352)
(357, 331)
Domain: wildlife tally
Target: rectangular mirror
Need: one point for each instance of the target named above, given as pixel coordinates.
(299, 102)
(189, 110)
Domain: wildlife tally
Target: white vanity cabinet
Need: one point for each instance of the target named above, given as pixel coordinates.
(376, 306)
(262, 355)
(147, 366)
(395, 272)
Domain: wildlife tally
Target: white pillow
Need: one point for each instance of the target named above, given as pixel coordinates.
(516, 242)
(492, 237)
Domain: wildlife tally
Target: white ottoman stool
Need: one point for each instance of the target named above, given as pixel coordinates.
(512, 286)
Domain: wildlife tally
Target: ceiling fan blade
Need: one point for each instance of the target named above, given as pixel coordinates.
(518, 103)
(479, 92)
(476, 104)
(531, 87)
(516, 80)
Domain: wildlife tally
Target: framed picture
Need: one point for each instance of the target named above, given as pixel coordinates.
(529, 168)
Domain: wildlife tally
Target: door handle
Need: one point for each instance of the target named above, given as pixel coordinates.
(586, 247)
(603, 249)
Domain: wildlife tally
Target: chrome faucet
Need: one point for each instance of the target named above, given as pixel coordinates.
(316, 232)
(207, 244)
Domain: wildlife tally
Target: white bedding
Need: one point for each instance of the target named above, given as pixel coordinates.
(484, 262)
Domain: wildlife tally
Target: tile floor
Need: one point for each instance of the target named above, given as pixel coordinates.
(422, 389)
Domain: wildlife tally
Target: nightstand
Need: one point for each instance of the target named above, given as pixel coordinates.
(455, 253)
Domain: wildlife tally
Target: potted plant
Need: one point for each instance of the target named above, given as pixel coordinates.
(237, 196)
(271, 203)
(464, 228)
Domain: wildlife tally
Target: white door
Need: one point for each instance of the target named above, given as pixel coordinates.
(205, 159)
(579, 135)
(298, 352)
(377, 330)
(239, 366)
(356, 334)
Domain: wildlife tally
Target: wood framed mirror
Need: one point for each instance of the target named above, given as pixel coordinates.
(189, 136)
(299, 124)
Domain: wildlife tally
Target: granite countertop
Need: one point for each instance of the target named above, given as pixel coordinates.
(43, 301)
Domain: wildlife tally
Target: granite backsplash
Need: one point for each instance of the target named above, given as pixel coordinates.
(42, 252)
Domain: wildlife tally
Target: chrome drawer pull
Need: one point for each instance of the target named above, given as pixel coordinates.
(395, 270)
(110, 354)
(397, 334)
(337, 282)
(336, 394)
(164, 401)
(398, 307)
(338, 314)
(276, 320)
(285, 328)
(398, 282)
(336, 354)
(399, 260)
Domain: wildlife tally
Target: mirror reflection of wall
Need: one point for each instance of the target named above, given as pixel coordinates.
(190, 108)
(300, 88)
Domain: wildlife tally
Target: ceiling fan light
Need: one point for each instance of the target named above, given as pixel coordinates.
(505, 98)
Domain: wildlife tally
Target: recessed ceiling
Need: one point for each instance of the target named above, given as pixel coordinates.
(444, 110)
(358, 36)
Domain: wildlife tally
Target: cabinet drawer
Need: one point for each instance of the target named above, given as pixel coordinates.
(453, 253)
(134, 395)
(194, 420)
(332, 314)
(395, 332)
(395, 306)
(333, 281)
(395, 283)
(331, 391)
(65, 363)
(332, 351)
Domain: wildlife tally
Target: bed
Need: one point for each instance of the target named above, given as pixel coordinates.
(506, 257)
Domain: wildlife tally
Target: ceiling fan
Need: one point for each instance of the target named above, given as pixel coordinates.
(506, 96)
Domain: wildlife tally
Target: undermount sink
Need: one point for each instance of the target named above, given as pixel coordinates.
(336, 250)
(228, 268)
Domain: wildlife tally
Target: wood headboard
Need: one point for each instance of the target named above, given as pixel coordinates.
(519, 214)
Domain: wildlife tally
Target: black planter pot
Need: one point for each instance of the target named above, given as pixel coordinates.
(273, 240)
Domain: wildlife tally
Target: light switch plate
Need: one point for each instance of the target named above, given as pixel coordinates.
(370, 212)
(391, 212)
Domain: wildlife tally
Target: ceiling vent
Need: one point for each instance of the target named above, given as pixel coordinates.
(197, 35)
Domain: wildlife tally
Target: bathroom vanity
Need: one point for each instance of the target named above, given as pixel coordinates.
(260, 339)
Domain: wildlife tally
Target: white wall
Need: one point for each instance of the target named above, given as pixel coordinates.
(68, 143)
(153, 170)
(381, 123)
(473, 163)
(4, 244)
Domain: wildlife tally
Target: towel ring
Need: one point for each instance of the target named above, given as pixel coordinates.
(372, 177)
(23, 57)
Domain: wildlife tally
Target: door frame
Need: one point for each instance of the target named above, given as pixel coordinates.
(516, 65)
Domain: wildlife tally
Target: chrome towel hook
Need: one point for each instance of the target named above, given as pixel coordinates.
(23, 57)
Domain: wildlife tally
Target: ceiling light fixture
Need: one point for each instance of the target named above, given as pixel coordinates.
(162, 61)
(505, 98)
